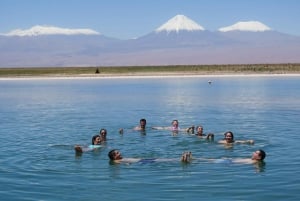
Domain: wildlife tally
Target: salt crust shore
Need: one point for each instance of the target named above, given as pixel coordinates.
(148, 76)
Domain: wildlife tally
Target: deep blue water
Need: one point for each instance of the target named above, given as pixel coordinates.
(42, 120)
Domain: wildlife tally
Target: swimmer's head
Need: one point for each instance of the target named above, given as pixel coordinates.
(114, 155)
(143, 123)
(103, 133)
(259, 155)
(96, 139)
(228, 136)
(175, 123)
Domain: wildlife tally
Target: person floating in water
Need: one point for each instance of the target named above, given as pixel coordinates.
(116, 157)
(174, 127)
(257, 157)
(96, 144)
(140, 127)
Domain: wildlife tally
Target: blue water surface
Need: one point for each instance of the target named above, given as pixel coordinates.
(42, 120)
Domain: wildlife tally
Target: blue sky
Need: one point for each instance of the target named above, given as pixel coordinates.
(133, 18)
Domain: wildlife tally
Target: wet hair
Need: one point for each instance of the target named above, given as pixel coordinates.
(94, 138)
(262, 154)
(229, 132)
(174, 121)
(111, 154)
(143, 120)
(199, 127)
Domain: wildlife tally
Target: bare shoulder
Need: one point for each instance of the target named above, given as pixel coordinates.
(137, 128)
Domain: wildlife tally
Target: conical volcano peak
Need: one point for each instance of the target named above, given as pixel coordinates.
(253, 26)
(180, 23)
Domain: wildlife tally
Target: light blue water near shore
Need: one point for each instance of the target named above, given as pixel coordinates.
(41, 121)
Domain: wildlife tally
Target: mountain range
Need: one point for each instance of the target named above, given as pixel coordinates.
(179, 41)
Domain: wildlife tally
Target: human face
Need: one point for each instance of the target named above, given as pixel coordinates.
(200, 130)
(143, 124)
(175, 124)
(117, 155)
(256, 155)
(228, 137)
(97, 140)
(103, 134)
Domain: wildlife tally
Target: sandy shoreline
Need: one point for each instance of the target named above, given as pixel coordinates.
(147, 76)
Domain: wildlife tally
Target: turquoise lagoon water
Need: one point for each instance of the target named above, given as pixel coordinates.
(42, 119)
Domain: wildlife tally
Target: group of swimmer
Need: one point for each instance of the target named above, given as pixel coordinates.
(115, 155)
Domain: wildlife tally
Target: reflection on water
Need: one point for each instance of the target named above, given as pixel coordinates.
(41, 120)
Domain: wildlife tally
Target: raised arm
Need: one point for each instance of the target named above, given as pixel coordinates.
(186, 157)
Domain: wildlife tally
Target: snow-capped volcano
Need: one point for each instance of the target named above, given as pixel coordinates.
(253, 26)
(180, 23)
(50, 30)
(180, 41)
